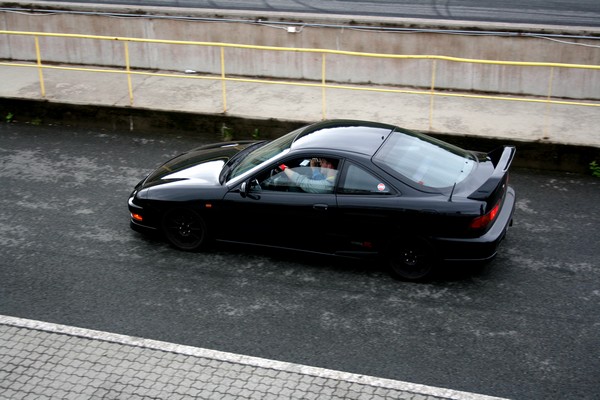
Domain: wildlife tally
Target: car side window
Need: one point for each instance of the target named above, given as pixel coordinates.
(359, 181)
(303, 175)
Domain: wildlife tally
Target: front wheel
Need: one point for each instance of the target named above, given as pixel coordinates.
(184, 229)
(410, 260)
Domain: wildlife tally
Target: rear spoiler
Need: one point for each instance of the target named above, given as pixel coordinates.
(501, 157)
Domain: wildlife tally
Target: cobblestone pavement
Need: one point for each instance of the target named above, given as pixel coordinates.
(47, 361)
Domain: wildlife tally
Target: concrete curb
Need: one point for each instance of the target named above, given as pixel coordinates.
(241, 359)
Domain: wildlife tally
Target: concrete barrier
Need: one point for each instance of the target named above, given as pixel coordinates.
(319, 33)
(530, 154)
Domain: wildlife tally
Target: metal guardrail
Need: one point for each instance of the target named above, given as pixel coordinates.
(323, 84)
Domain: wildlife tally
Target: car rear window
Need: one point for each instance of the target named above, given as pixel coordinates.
(424, 160)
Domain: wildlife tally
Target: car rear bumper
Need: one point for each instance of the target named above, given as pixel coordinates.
(481, 248)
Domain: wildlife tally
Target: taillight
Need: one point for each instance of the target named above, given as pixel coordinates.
(484, 220)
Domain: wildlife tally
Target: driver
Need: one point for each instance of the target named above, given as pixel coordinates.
(322, 179)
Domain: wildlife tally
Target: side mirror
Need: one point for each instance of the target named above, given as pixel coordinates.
(247, 186)
(244, 189)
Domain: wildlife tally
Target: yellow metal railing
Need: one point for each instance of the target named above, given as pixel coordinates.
(323, 84)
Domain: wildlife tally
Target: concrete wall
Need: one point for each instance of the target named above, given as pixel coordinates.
(567, 83)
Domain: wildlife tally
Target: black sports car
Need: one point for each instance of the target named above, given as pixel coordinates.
(349, 188)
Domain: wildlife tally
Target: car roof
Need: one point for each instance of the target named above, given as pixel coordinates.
(344, 135)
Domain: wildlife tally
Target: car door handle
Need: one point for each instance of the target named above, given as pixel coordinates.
(320, 206)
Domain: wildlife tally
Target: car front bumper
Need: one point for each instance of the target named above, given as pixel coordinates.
(139, 225)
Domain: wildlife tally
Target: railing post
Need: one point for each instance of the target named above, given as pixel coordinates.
(548, 104)
(323, 89)
(128, 68)
(40, 67)
(223, 82)
(432, 94)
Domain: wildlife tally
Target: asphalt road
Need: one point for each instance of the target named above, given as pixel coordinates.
(566, 12)
(527, 326)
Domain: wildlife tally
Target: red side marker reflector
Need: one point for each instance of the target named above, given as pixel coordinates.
(137, 217)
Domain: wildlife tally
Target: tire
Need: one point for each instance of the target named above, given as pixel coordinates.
(184, 229)
(410, 259)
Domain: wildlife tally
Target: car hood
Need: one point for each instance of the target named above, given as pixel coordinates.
(201, 166)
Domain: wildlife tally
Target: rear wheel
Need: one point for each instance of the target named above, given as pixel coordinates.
(184, 229)
(410, 260)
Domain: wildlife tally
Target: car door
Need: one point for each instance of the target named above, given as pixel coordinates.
(368, 209)
(271, 210)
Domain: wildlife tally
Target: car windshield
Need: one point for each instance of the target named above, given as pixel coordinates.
(425, 160)
(263, 154)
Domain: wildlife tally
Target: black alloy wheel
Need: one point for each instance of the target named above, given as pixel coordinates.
(184, 229)
(410, 260)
